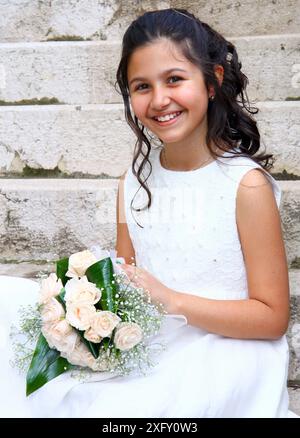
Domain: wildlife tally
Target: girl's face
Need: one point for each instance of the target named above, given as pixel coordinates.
(162, 81)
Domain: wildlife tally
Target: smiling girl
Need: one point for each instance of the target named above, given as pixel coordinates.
(198, 215)
(198, 225)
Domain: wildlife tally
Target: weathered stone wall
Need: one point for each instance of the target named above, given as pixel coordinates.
(64, 140)
(84, 72)
(95, 139)
(23, 20)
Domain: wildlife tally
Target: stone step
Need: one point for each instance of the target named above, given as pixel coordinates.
(44, 219)
(33, 270)
(94, 140)
(38, 21)
(293, 334)
(290, 214)
(279, 127)
(69, 72)
(294, 395)
(84, 72)
(91, 140)
(53, 217)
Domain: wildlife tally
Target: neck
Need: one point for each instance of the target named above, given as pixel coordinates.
(190, 152)
(179, 158)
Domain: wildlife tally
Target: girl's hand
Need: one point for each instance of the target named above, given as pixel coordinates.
(158, 291)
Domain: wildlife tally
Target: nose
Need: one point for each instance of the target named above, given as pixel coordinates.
(160, 98)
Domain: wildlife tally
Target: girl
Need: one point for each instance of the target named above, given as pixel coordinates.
(212, 264)
(198, 225)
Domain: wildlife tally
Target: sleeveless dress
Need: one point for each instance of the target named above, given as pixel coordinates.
(189, 240)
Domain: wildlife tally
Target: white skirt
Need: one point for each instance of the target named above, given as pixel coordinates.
(199, 375)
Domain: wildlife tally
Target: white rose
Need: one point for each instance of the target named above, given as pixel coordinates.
(50, 287)
(80, 315)
(79, 262)
(81, 356)
(104, 322)
(52, 311)
(128, 334)
(92, 336)
(61, 336)
(82, 291)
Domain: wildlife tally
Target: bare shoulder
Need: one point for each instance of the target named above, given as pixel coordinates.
(256, 207)
(254, 178)
(255, 187)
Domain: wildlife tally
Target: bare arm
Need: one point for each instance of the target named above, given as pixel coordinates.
(124, 245)
(265, 314)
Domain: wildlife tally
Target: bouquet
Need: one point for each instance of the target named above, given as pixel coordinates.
(88, 316)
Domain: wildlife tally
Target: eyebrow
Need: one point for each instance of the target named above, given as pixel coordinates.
(162, 74)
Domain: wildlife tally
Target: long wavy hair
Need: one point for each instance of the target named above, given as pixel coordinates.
(228, 115)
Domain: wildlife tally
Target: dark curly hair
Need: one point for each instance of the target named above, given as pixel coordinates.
(228, 115)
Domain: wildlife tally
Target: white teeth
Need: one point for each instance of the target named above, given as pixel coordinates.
(167, 117)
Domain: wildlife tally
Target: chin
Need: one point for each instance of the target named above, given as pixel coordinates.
(170, 140)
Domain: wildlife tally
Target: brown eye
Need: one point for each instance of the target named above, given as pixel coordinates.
(138, 87)
(176, 77)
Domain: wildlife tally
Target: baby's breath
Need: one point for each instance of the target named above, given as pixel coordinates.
(24, 337)
(133, 305)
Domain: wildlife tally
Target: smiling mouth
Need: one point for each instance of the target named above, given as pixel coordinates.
(170, 121)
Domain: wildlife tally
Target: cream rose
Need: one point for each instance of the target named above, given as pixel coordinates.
(128, 334)
(52, 311)
(81, 356)
(61, 336)
(104, 322)
(92, 336)
(50, 287)
(80, 315)
(79, 262)
(81, 291)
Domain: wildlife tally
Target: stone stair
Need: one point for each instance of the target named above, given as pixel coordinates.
(64, 141)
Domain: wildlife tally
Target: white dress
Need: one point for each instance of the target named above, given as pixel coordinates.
(189, 242)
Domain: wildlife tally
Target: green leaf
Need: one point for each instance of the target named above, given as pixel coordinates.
(61, 298)
(45, 365)
(105, 343)
(61, 269)
(101, 273)
(94, 348)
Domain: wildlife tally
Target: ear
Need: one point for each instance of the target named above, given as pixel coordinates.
(219, 72)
